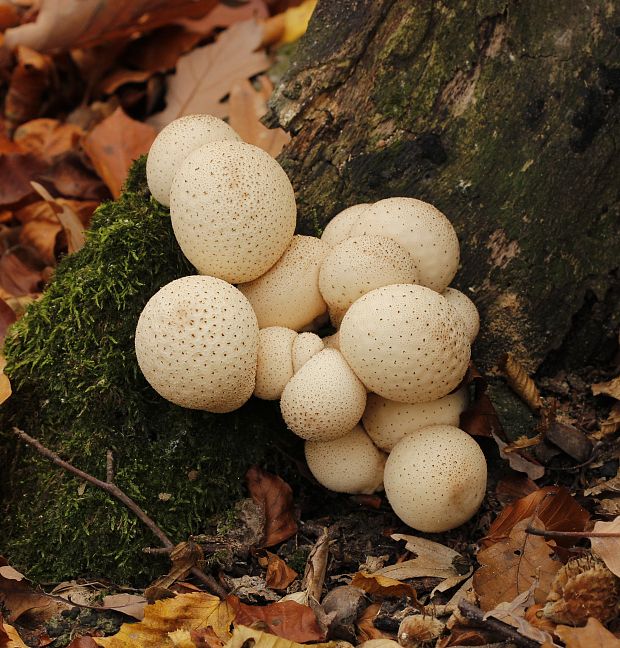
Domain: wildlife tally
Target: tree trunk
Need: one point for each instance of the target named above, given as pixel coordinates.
(503, 114)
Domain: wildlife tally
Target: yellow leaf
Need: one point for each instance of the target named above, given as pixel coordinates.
(5, 383)
(259, 639)
(193, 611)
(296, 21)
(8, 632)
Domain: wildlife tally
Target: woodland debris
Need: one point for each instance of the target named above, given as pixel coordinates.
(521, 383)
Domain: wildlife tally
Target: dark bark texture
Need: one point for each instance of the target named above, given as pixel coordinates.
(502, 114)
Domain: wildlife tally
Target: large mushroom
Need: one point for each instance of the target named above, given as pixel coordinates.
(275, 364)
(466, 309)
(339, 227)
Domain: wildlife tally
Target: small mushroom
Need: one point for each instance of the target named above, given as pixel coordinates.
(350, 464)
(305, 346)
(324, 400)
(422, 230)
(466, 309)
(174, 143)
(288, 294)
(405, 343)
(275, 365)
(197, 344)
(332, 341)
(435, 478)
(233, 210)
(339, 227)
(387, 422)
(361, 264)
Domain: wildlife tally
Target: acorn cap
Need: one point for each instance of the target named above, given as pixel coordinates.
(275, 364)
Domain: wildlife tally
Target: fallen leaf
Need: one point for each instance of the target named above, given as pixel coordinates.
(114, 144)
(594, 634)
(366, 630)
(480, 418)
(554, 506)
(9, 638)
(9, 16)
(383, 586)
(16, 171)
(18, 596)
(611, 388)
(224, 15)
(41, 234)
(148, 55)
(129, 604)
(514, 486)
(83, 642)
(206, 638)
(5, 383)
(608, 548)
(246, 105)
(121, 76)
(510, 566)
(7, 317)
(71, 178)
(611, 424)
(21, 271)
(518, 461)
(243, 636)
(185, 611)
(279, 575)
(276, 498)
(521, 383)
(47, 138)
(296, 21)
(286, 619)
(205, 76)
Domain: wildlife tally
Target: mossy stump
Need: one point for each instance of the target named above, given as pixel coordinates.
(78, 389)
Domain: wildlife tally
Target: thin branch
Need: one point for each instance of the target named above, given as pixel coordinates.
(571, 534)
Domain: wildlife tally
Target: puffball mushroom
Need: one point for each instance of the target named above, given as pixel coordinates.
(233, 210)
(339, 227)
(275, 364)
(467, 310)
(197, 344)
(324, 400)
(435, 478)
(350, 464)
(405, 343)
(361, 264)
(288, 294)
(387, 422)
(422, 230)
(305, 346)
(174, 143)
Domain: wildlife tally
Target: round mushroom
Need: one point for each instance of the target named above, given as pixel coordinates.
(233, 210)
(174, 143)
(387, 422)
(405, 343)
(275, 365)
(361, 264)
(305, 346)
(435, 478)
(339, 227)
(332, 341)
(350, 464)
(197, 344)
(422, 230)
(288, 294)
(466, 309)
(324, 400)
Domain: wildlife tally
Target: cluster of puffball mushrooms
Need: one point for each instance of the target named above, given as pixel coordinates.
(377, 402)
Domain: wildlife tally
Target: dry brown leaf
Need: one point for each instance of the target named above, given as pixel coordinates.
(18, 596)
(510, 566)
(518, 461)
(121, 76)
(71, 24)
(114, 144)
(16, 171)
(148, 55)
(276, 498)
(183, 612)
(608, 548)
(129, 604)
(513, 487)
(611, 424)
(205, 76)
(366, 630)
(224, 16)
(243, 636)
(480, 418)
(383, 586)
(41, 235)
(21, 271)
(5, 383)
(593, 635)
(611, 388)
(47, 138)
(246, 105)
(71, 178)
(9, 638)
(7, 317)
(279, 575)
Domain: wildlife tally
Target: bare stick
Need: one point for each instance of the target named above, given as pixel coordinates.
(571, 534)
(115, 491)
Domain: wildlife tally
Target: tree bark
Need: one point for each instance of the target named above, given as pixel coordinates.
(503, 114)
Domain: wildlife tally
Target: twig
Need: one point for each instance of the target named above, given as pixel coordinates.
(112, 489)
(571, 534)
(109, 467)
(475, 614)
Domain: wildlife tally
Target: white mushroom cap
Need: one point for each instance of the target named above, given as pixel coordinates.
(361, 264)
(387, 422)
(233, 210)
(288, 294)
(339, 227)
(174, 143)
(422, 230)
(406, 343)
(332, 341)
(350, 464)
(324, 400)
(467, 310)
(275, 364)
(305, 346)
(435, 478)
(197, 344)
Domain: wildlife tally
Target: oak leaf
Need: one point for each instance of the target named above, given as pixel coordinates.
(608, 548)
(593, 634)
(383, 586)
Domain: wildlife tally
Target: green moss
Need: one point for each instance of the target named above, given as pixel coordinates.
(79, 390)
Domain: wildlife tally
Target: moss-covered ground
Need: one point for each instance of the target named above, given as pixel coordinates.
(78, 389)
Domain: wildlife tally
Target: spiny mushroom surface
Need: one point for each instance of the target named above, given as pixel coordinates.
(361, 264)
(350, 464)
(233, 210)
(197, 344)
(422, 230)
(288, 294)
(405, 343)
(324, 400)
(339, 227)
(275, 363)
(174, 143)
(435, 478)
(387, 422)
(466, 309)
(305, 346)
